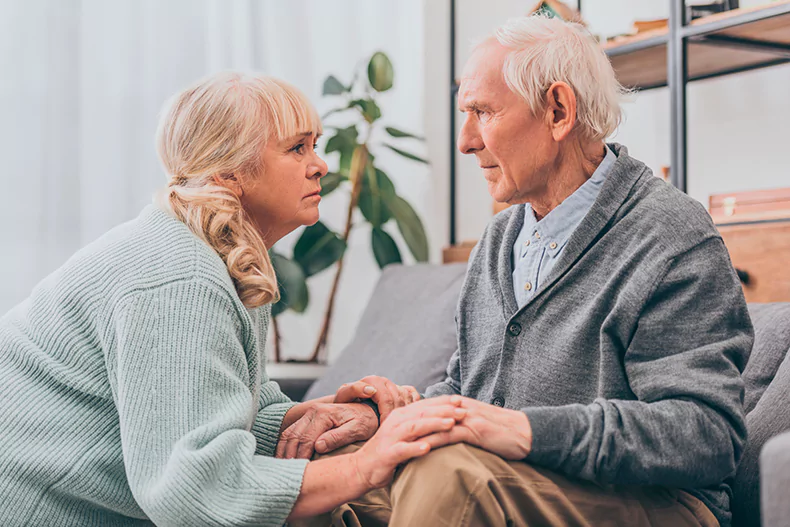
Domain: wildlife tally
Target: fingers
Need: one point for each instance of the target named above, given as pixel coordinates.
(403, 452)
(417, 428)
(409, 394)
(298, 440)
(387, 396)
(446, 403)
(356, 390)
(345, 434)
(457, 434)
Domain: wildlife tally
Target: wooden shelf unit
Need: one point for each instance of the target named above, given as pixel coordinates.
(721, 44)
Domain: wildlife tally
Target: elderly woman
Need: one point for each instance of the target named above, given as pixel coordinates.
(133, 381)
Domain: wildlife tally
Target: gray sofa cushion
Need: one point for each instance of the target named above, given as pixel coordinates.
(775, 480)
(771, 342)
(767, 402)
(407, 332)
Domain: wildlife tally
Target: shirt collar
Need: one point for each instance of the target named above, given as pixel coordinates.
(558, 225)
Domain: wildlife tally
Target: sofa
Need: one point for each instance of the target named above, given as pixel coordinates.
(407, 334)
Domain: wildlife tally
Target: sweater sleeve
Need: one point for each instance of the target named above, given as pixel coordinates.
(687, 428)
(272, 407)
(451, 385)
(181, 386)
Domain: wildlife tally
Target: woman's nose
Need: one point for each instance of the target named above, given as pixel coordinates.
(320, 167)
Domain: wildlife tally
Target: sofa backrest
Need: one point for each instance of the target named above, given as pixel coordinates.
(407, 331)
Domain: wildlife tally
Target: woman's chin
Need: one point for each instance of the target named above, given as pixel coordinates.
(310, 217)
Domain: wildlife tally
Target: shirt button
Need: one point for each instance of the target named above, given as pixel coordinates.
(553, 245)
(537, 235)
(528, 286)
(514, 329)
(498, 401)
(526, 243)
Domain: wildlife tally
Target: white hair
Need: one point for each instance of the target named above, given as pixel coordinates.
(546, 50)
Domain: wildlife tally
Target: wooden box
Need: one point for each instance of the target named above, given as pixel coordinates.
(755, 227)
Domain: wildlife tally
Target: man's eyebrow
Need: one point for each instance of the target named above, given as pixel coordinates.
(474, 106)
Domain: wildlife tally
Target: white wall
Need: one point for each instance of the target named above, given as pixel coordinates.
(85, 82)
(738, 126)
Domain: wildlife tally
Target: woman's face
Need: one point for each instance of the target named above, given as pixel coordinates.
(285, 195)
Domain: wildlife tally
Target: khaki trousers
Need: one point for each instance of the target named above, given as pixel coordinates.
(461, 485)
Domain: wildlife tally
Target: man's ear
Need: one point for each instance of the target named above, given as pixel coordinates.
(561, 110)
(230, 182)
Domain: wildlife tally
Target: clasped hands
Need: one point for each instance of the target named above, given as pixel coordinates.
(336, 421)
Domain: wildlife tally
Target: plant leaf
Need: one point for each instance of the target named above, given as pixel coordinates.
(394, 132)
(384, 248)
(344, 139)
(380, 72)
(332, 86)
(334, 111)
(410, 227)
(293, 285)
(377, 190)
(408, 155)
(318, 248)
(330, 182)
(370, 110)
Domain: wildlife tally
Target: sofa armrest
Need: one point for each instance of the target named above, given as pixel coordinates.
(775, 480)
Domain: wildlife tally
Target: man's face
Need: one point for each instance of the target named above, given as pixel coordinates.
(513, 147)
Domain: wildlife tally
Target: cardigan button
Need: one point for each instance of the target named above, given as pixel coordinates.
(514, 329)
(498, 401)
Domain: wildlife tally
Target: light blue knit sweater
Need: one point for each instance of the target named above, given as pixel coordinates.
(133, 390)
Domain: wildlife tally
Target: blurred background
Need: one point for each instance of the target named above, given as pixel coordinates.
(83, 81)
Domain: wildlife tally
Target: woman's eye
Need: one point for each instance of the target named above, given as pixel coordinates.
(315, 146)
(299, 149)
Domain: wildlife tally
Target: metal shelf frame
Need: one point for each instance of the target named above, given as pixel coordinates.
(680, 33)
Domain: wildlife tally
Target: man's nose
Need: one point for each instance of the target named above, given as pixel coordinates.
(469, 140)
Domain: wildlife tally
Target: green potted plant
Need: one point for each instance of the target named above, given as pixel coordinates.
(370, 190)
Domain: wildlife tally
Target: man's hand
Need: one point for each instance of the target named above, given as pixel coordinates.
(386, 394)
(506, 433)
(326, 427)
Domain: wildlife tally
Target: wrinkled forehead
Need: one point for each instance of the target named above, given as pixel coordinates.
(483, 75)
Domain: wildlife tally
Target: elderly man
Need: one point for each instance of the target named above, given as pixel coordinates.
(602, 330)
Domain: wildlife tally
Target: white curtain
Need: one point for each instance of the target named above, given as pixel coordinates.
(81, 85)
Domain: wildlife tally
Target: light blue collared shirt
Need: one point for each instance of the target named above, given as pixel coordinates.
(540, 243)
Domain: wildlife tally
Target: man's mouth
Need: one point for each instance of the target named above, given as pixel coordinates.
(316, 193)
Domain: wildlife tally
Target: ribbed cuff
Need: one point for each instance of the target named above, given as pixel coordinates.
(286, 477)
(266, 427)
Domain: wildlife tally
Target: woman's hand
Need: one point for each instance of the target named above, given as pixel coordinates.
(386, 394)
(326, 427)
(409, 432)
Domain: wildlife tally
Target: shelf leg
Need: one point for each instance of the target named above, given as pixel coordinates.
(677, 62)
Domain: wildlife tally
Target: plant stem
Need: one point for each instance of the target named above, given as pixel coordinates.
(358, 163)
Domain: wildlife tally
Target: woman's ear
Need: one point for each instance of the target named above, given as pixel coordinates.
(230, 182)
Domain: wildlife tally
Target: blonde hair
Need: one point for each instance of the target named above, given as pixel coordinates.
(220, 127)
(546, 50)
